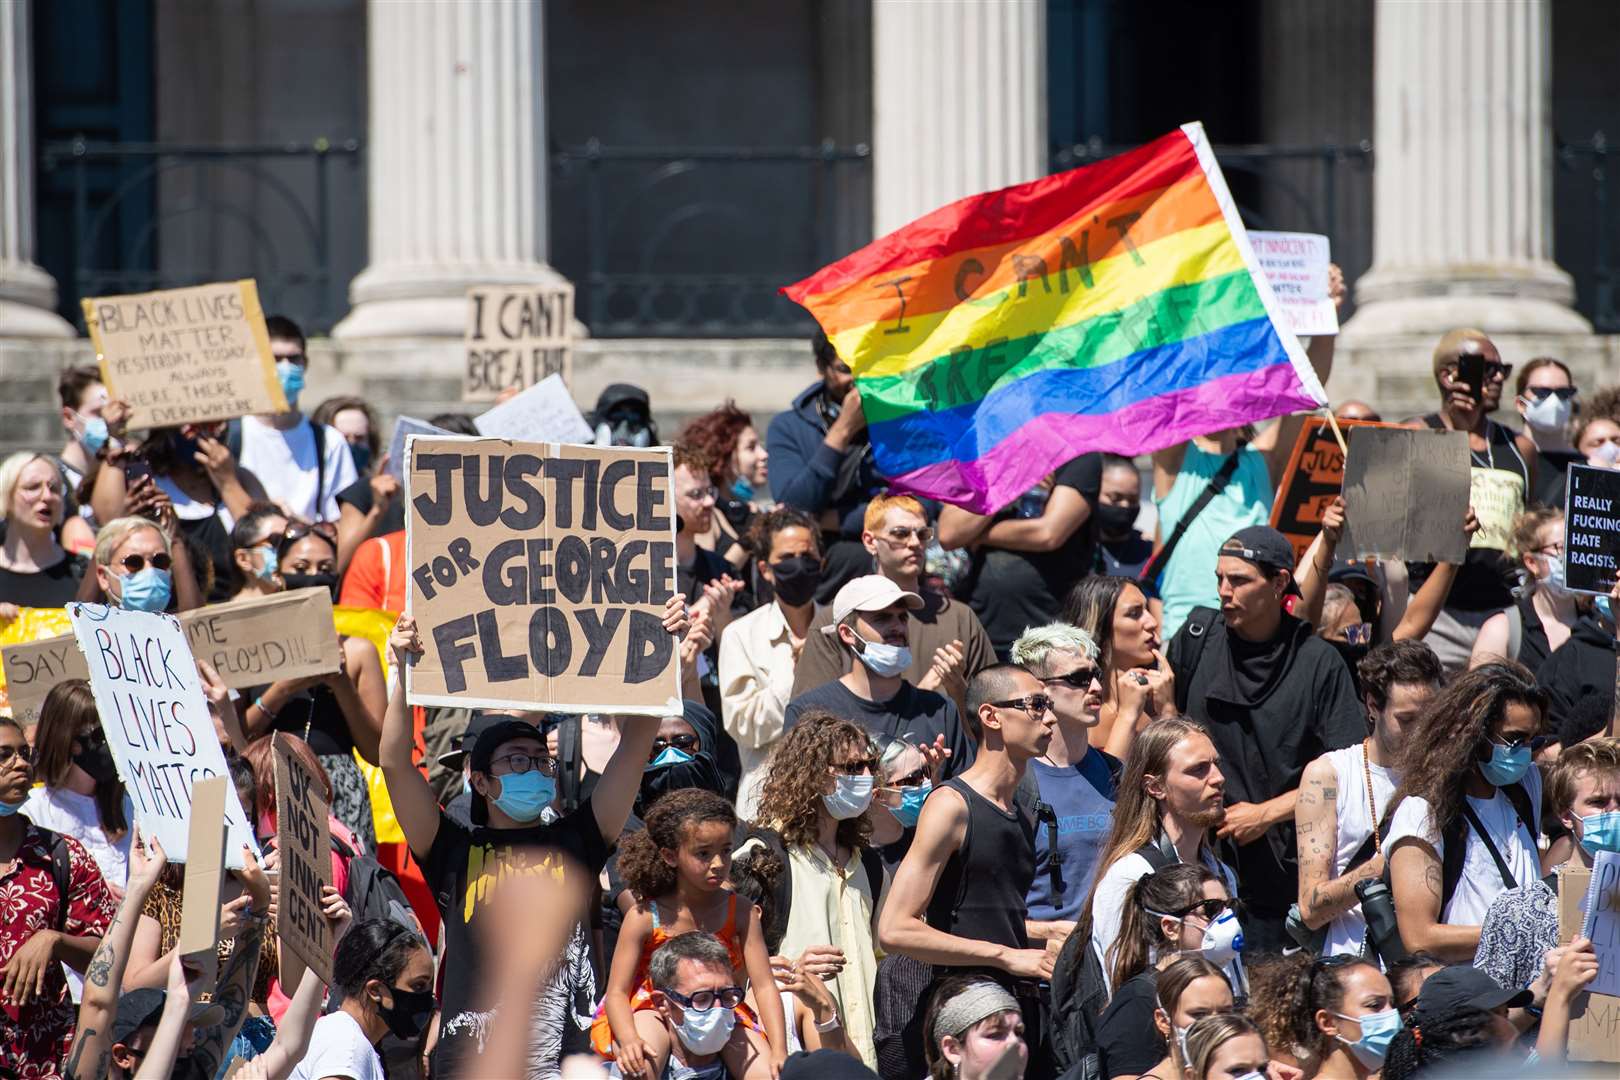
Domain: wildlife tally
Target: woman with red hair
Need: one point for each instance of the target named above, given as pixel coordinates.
(727, 437)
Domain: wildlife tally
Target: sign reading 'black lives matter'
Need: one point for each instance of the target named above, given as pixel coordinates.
(1592, 529)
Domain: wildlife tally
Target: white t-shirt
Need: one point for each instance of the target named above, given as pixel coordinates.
(1108, 908)
(71, 814)
(338, 1047)
(1481, 882)
(1347, 933)
(284, 462)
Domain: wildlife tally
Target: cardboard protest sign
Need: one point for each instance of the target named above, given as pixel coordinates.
(184, 356)
(516, 336)
(545, 412)
(1392, 473)
(1602, 922)
(287, 635)
(1313, 479)
(304, 841)
(1497, 497)
(403, 427)
(207, 838)
(157, 723)
(33, 667)
(1594, 1029)
(1296, 265)
(538, 575)
(1591, 529)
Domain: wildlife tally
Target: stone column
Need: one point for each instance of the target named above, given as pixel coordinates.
(27, 293)
(1463, 183)
(456, 162)
(959, 102)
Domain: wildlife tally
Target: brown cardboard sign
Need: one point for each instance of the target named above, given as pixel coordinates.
(304, 841)
(33, 667)
(1406, 495)
(184, 356)
(516, 336)
(538, 575)
(287, 635)
(205, 868)
(1313, 479)
(1594, 1027)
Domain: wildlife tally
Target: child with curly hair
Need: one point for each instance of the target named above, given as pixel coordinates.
(678, 869)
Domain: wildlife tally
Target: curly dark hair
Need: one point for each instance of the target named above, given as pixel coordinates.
(715, 436)
(779, 518)
(1442, 753)
(669, 822)
(1398, 662)
(790, 797)
(1419, 1048)
(1286, 991)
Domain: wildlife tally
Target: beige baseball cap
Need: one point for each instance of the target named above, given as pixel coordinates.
(873, 592)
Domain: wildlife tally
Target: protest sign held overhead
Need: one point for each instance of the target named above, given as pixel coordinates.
(184, 356)
(303, 838)
(1113, 307)
(545, 412)
(1592, 529)
(1387, 473)
(538, 575)
(516, 336)
(157, 722)
(286, 635)
(1296, 265)
(1313, 479)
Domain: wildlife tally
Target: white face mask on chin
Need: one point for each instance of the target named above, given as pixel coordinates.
(883, 660)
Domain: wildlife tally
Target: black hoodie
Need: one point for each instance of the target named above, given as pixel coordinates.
(1581, 667)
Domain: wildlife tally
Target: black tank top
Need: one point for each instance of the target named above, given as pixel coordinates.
(982, 888)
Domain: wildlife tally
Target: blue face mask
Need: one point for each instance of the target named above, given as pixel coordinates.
(911, 804)
(741, 488)
(850, 798)
(8, 809)
(95, 434)
(292, 380)
(1507, 764)
(524, 795)
(1378, 1030)
(466, 784)
(271, 563)
(147, 590)
(671, 756)
(1601, 832)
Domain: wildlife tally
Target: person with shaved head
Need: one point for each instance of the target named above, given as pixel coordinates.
(1470, 374)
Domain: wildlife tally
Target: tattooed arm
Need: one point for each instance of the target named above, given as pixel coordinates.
(1416, 880)
(1323, 897)
(104, 977)
(235, 985)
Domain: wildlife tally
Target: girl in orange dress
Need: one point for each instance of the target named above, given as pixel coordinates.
(679, 870)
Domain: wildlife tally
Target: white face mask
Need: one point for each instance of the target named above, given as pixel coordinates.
(1223, 939)
(1607, 454)
(883, 660)
(705, 1031)
(1555, 582)
(1550, 414)
(850, 798)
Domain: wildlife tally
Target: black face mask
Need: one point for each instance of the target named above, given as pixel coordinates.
(361, 453)
(97, 761)
(796, 579)
(1115, 520)
(411, 1011)
(329, 582)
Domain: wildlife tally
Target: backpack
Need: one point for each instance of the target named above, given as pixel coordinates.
(373, 891)
(1079, 991)
(1100, 769)
(1454, 837)
(871, 859)
(1199, 620)
(233, 443)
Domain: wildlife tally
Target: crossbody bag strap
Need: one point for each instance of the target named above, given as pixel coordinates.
(1501, 864)
(1217, 484)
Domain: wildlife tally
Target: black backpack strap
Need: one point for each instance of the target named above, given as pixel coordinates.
(1028, 799)
(1496, 856)
(320, 466)
(1199, 620)
(62, 877)
(1159, 852)
(1519, 796)
(872, 860)
(1217, 484)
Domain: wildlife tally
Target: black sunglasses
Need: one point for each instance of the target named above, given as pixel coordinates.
(1078, 679)
(1208, 910)
(136, 563)
(914, 780)
(727, 997)
(298, 530)
(679, 742)
(856, 768)
(1034, 705)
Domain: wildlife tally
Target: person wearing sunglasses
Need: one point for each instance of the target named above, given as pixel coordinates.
(1545, 395)
(958, 897)
(254, 539)
(140, 568)
(1465, 817)
(696, 995)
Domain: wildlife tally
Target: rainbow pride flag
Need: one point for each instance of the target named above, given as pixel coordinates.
(1113, 307)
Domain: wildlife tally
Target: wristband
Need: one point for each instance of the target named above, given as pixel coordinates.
(259, 701)
(830, 1024)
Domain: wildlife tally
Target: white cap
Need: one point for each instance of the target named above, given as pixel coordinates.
(873, 592)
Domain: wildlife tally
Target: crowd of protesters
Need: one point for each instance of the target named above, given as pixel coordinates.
(1085, 788)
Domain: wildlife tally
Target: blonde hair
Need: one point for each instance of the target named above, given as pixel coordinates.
(115, 532)
(1209, 1033)
(11, 474)
(1594, 755)
(880, 506)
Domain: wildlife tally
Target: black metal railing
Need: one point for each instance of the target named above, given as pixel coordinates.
(152, 215)
(695, 242)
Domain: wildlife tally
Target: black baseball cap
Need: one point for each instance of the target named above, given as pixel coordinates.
(143, 1007)
(1265, 547)
(453, 758)
(501, 729)
(825, 1065)
(1463, 986)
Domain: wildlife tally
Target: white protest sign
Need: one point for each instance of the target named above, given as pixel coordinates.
(1603, 922)
(545, 412)
(1296, 264)
(407, 425)
(157, 722)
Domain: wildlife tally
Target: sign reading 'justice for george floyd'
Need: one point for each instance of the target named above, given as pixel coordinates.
(539, 574)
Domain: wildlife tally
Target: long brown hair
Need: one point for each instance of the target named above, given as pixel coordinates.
(69, 708)
(796, 779)
(1443, 752)
(1164, 892)
(1090, 606)
(1136, 814)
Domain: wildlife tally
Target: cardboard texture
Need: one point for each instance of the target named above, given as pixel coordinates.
(407, 425)
(1313, 478)
(545, 412)
(1594, 1029)
(152, 708)
(1602, 923)
(1591, 529)
(183, 356)
(539, 574)
(1389, 473)
(516, 336)
(205, 868)
(254, 642)
(33, 667)
(303, 838)
(1497, 497)
(1296, 265)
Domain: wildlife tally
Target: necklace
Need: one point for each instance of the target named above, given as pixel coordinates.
(1372, 804)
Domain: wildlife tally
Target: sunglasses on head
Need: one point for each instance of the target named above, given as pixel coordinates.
(136, 563)
(297, 530)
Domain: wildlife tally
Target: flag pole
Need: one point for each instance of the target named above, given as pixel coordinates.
(1333, 422)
